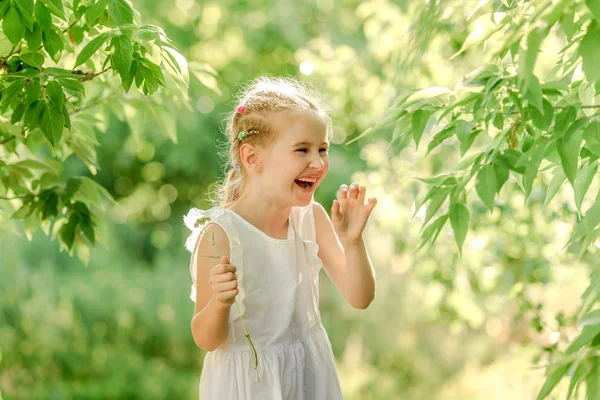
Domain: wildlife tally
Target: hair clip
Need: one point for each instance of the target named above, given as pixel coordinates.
(242, 135)
(241, 109)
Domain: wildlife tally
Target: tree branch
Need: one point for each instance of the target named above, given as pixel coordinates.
(88, 77)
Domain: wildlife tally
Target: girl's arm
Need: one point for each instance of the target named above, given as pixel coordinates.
(210, 323)
(346, 262)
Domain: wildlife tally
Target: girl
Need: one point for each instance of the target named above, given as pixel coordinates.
(262, 248)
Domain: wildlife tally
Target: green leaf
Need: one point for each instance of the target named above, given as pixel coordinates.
(534, 94)
(43, 16)
(564, 120)
(33, 59)
(25, 7)
(32, 114)
(72, 86)
(120, 11)
(419, 121)
(433, 230)
(584, 178)
(441, 136)
(590, 51)
(17, 114)
(95, 11)
(486, 185)
(577, 375)
(594, 7)
(509, 159)
(56, 8)
(502, 174)
(3, 7)
(121, 54)
(34, 37)
(587, 335)
(12, 25)
(558, 178)
(55, 93)
(532, 160)
(568, 149)
(12, 91)
(556, 373)
(591, 134)
(33, 91)
(51, 123)
(53, 44)
(65, 113)
(542, 120)
(528, 57)
(129, 80)
(150, 81)
(436, 202)
(459, 220)
(92, 47)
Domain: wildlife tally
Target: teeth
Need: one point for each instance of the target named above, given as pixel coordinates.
(307, 180)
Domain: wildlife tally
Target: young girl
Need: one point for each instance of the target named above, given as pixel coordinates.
(261, 250)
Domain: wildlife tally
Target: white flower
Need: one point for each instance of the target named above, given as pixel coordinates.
(196, 220)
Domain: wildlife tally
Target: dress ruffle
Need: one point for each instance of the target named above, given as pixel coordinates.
(306, 231)
(197, 220)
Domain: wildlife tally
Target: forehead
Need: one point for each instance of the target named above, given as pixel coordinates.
(301, 126)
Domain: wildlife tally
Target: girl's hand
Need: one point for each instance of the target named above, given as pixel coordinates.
(349, 213)
(223, 282)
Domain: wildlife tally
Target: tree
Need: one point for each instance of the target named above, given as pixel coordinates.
(511, 123)
(66, 64)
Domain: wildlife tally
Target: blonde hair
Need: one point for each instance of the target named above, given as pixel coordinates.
(261, 99)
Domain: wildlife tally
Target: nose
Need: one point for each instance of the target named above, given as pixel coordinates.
(317, 162)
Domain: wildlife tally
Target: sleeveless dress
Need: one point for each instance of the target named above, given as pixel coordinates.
(278, 299)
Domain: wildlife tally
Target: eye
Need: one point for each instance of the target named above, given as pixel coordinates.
(302, 149)
(325, 150)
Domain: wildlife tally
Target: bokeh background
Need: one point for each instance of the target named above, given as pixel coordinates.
(441, 327)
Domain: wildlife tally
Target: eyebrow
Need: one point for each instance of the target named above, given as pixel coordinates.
(308, 144)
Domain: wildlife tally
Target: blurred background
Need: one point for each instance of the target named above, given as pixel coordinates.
(441, 327)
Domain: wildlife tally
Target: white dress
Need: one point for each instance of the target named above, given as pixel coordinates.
(278, 281)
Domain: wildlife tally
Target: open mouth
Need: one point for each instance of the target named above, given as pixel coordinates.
(305, 184)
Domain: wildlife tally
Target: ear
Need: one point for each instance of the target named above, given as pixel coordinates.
(250, 157)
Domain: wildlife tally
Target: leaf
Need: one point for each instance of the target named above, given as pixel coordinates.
(43, 16)
(65, 113)
(433, 230)
(441, 136)
(32, 114)
(12, 25)
(25, 7)
(594, 7)
(534, 94)
(52, 123)
(564, 120)
(17, 114)
(53, 44)
(56, 8)
(568, 149)
(459, 220)
(558, 179)
(542, 120)
(502, 174)
(121, 12)
(532, 160)
(528, 57)
(12, 91)
(92, 47)
(591, 318)
(34, 37)
(419, 121)
(556, 373)
(33, 59)
(72, 86)
(591, 134)
(584, 178)
(126, 82)
(436, 202)
(587, 335)
(486, 185)
(95, 11)
(509, 158)
(55, 93)
(121, 54)
(590, 51)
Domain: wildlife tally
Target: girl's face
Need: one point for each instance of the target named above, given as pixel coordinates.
(296, 163)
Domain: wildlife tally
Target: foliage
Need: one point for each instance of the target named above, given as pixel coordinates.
(519, 124)
(53, 84)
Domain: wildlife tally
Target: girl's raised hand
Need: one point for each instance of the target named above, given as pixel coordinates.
(223, 282)
(349, 213)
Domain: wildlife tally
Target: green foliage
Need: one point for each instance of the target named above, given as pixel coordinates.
(47, 103)
(526, 124)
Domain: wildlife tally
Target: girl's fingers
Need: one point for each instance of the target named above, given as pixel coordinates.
(361, 194)
(371, 205)
(223, 287)
(342, 192)
(353, 190)
(335, 210)
(229, 276)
